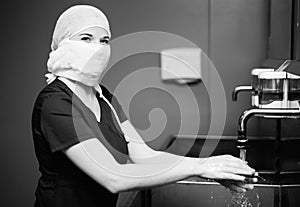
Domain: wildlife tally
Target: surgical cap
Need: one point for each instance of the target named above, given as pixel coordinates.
(75, 19)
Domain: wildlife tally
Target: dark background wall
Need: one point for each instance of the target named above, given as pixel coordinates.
(232, 32)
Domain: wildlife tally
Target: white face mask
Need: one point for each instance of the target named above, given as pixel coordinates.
(79, 61)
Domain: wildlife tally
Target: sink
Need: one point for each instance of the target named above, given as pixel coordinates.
(278, 163)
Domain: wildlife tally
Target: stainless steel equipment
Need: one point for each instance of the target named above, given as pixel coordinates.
(255, 84)
(278, 90)
(253, 88)
(272, 90)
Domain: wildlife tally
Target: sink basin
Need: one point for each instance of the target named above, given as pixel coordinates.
(278, 162)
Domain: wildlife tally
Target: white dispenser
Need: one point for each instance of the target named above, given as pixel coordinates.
(182, 65)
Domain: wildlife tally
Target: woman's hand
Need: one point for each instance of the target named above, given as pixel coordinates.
(236, 186)
(224, 167)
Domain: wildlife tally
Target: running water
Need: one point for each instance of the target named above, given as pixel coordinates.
(241, 199)
(243, 154)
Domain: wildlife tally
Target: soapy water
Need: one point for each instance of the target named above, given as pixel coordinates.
(241, 200)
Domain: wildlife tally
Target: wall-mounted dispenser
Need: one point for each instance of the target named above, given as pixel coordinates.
(181, 65)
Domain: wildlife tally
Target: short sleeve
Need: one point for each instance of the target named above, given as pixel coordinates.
(62, 124)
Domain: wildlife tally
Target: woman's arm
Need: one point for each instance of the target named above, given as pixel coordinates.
(96, 161)
(140, 152)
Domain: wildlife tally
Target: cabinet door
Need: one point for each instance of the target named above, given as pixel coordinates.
(296, 25)
(280, 29)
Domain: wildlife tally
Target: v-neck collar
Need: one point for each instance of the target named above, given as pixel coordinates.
(72, 94)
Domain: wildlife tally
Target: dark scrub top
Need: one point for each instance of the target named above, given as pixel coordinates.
(60, 120)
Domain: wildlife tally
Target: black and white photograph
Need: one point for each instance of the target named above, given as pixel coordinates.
(150, 103)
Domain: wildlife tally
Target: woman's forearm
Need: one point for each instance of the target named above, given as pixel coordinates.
(96, 161)
(93, 158)
(145, 175)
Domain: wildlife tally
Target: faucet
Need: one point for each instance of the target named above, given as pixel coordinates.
(242, 140)
(238, 89)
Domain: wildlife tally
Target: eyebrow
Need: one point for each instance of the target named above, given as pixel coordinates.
(86, 34)
(105, 37)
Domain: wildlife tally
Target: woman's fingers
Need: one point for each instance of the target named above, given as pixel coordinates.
(239, 170)
(226, 167)
(235, 159)
(241, 187)
(237, 163)
(251, 180)
(244, 185)
(232, 176)
(237, 189)
(235, 186)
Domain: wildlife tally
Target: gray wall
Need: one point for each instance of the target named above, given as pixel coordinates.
(232, 32)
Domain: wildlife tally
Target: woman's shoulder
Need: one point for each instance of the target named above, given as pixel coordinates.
(53, 93)
(56, 87)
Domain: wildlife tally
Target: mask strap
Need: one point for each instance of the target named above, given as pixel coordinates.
(99, 90)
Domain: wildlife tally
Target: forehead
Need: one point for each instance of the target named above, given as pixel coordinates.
(95, 31)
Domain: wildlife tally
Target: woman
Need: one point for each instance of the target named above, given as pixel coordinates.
(88, 151)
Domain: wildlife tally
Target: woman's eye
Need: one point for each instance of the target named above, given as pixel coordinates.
(86, 39)
(104, 41)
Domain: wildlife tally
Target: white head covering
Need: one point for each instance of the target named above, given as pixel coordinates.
(72, 21)
(76, 19)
